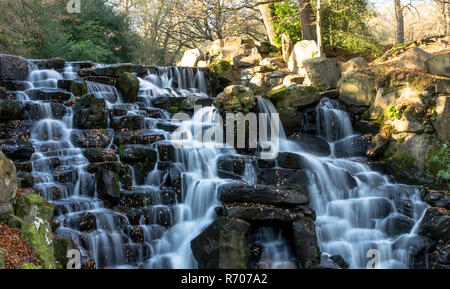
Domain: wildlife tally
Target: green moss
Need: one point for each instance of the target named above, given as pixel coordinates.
(61, 247)
(437, 163)
(219, 66)
(29, 266)
(78, 88)
(128, 85)
(32, 205)
(401, 163)
(39, 235)
(391, 112)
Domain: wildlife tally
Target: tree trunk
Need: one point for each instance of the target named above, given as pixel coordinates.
(306, 19)
(319, 31)
(400, 22)
(267, 17)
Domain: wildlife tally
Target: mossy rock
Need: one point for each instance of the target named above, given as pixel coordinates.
(29, 266)
(32, 205)
(294, 96)
(235, 99)
(39, 235)
(128, 86)
(61, 246)
(219, 66)
(78, 88)
(437, 164)
(89, 113)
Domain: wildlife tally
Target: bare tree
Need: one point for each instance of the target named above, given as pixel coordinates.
(400, 21)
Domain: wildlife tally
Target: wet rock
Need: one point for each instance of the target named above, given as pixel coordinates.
(133, 122)
(435, 224)
(15, 129)
(128, 86)
(108, 186)
(39, 234)
(338, 260)
(413, 244)
(233, 166)
(150, 215)
(323, 73)
(101, 79)
(26, 179)
(98, 155)
(437, 198)
(223, 245)
(260, 213)
(137, 153)
(49, 94)
(17, 149)
(79, 88)
(293, 96)
(397, 225)
(34, 111)
(236, 98)
(89, 113)
(352, 146)
(377, 147)
(142, 137)
(114, 70)
(15, 85)
(290, 161)
(439, 64)
(312, 144)
(138, 198)
(8, 183)
(367, 127)
(281, 177)
(11, 110)
(60, 247)
(53, 63)
(288, 196)
(305, 241)
(170, 103)
(84, 222)
(13, 67)
(92, 138)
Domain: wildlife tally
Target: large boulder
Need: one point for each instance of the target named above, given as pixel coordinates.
(439, 64)
(293, 96)
(128, 86)
(223, 245)
(323, 73)
(288, 196)
(31, 206)
(191, 58)
(435, 224)
(13, 67)
(89, 113)
(305, 241)
(358, 89)
(236, 98)
(8, 183)
(39, 234)
(354, 64)
(302, 50)
(414, 58)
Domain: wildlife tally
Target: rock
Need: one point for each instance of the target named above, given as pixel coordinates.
(442, 122)
(233, 166)
(49, 94)
(263, 47)
(397, 225)
(137, 153)
(367, 127)
(287, 45)
(293, 79)
(357, 89)
(312, 144)
(128, 86)
(289, 196)
(14, 67)
(142, 137)
(98, 155)
(53, 63)
(354, 64)
(272, 63)
(92, 138)
(78, 88)
(17, 149)
(293, 96)
(290, 161)
(414, 58)
(353, 146)
(323, 73)
(169, 103)
(250, 60)
(131, 122)
(439, 64)
(114, 70)
(302, 50)
(438, 198)
(435, 224)
(338, 260)
(223, 245)
(61, 246)
(39, 234)
(283, 177)
(413, 244)
(89, 113)
(377, 147)
(258, 213)
(26, 180)
(31, 206)
(11, 110)
(305, 241)
(326, 263)
(108, 186)
(8, 183)
(191, 58)
(236, 98)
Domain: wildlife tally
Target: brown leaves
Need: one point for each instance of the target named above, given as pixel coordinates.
(18, 252)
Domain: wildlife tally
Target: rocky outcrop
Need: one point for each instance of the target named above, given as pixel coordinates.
(439, 64)
(223, 245)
